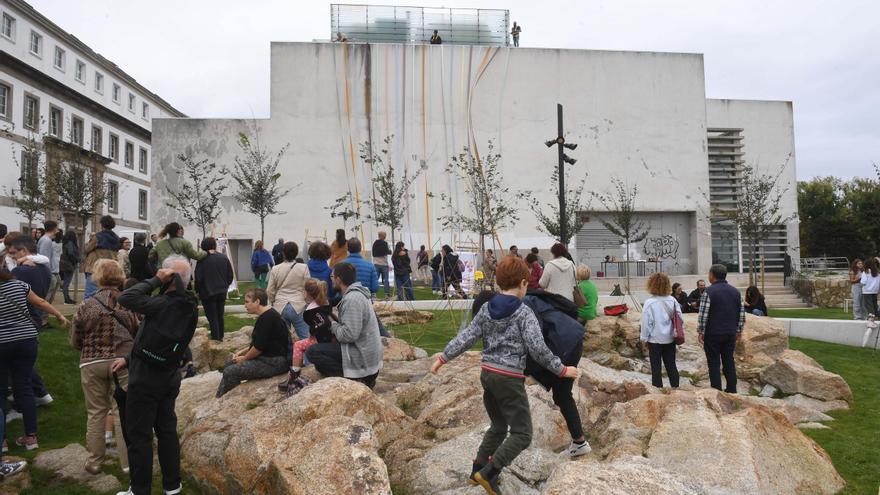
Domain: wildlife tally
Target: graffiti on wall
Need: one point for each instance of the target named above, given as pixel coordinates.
(664, 246)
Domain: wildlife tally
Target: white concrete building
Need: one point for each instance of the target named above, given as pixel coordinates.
(638, 116)
(54, 87)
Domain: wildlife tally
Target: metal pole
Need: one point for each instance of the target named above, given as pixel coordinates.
(559, 141)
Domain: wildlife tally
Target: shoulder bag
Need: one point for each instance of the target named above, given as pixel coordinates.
(677, 324)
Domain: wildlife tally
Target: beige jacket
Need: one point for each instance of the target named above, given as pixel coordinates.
(285, 285)
(559, 277)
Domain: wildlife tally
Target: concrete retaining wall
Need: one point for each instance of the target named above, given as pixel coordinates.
(846, 332)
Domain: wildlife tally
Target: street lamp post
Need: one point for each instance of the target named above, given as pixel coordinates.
(559, 141)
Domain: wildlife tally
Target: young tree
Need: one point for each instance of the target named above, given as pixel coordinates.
(256, 173)
(30, 198)
(624, 222)
(344, 207)
(79, 188)
(488, 204)
(547, 214)
(390, 188)
(198, 197)
(756, 213)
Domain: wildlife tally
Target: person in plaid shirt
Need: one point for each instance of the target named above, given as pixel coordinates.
(720, 325)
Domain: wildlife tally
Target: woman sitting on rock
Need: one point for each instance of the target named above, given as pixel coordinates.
(657, 334)
(267, 355)
(755, 302)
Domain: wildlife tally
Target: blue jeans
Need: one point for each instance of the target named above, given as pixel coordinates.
(91, 287)
(294, 319)
(435, 280)
(66, 277)
(401, 283)
(382, 273)
(17, 359)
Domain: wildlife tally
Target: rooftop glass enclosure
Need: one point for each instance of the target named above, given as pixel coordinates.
(390, 24)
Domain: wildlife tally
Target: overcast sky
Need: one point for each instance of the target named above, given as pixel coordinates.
(210, 58)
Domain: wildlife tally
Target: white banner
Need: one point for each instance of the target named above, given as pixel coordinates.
(470, 267)
(223, 248)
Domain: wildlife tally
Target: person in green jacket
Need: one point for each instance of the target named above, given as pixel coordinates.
(591, 294)
(174, 244)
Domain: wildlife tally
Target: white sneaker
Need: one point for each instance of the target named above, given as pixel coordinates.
(44, 400)
(127, 492)
(12, 415)
(108, 438)
(176, 491)
(577, 450)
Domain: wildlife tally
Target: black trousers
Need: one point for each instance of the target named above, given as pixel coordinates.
(149, 407)
(214, 308)
(666, 354)
(327, 359)
(719, 352)
(562, 397)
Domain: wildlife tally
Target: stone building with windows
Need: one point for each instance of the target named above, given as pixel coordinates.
(73, 102)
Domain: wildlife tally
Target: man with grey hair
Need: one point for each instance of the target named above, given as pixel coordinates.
(154, 377)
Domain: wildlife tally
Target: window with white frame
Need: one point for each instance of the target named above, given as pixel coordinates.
(5, 101)
(31, 112)
(112, 196)
(36, 44)
(97, 139)
(142, 160)
(131, 98)
(117, 93)
(76, 131)
(129, 155)
(145, 111)
(56, 122)
(99, 82)
(29, 162)
(80, 73)
(7, 28)
(114, 148)
(142, 204)
(60, 58)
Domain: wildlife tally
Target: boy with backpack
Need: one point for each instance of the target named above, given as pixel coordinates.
(510, 332)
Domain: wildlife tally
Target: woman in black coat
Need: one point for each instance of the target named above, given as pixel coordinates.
(402, 270)
(213, 276)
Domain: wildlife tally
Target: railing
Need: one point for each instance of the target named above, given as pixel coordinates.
(824, 265)
(393, 24)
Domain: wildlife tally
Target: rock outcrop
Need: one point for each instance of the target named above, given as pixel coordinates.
(252, 440)
(393, 317)
(418, 432)
(797, 373)
(69, 463)
(213, 355)
(733, 447)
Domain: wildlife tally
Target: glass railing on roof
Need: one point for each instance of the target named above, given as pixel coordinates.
(394, 24)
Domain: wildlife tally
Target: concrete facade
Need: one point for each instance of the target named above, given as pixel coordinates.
(64, 75)
(637, 116)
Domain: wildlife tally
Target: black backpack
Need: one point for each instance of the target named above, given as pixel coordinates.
(164, 338)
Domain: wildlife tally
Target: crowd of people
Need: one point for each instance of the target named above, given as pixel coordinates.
(134, 342)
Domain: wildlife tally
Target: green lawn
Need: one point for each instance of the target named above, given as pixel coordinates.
(817, 313)
(853, 440)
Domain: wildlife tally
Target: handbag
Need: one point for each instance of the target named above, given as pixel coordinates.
(677, 325)
(616, 310)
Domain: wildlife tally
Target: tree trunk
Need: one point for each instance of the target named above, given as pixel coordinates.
(262, 229)
(626, 266)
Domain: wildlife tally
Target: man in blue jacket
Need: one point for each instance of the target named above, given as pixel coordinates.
(366, 272)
